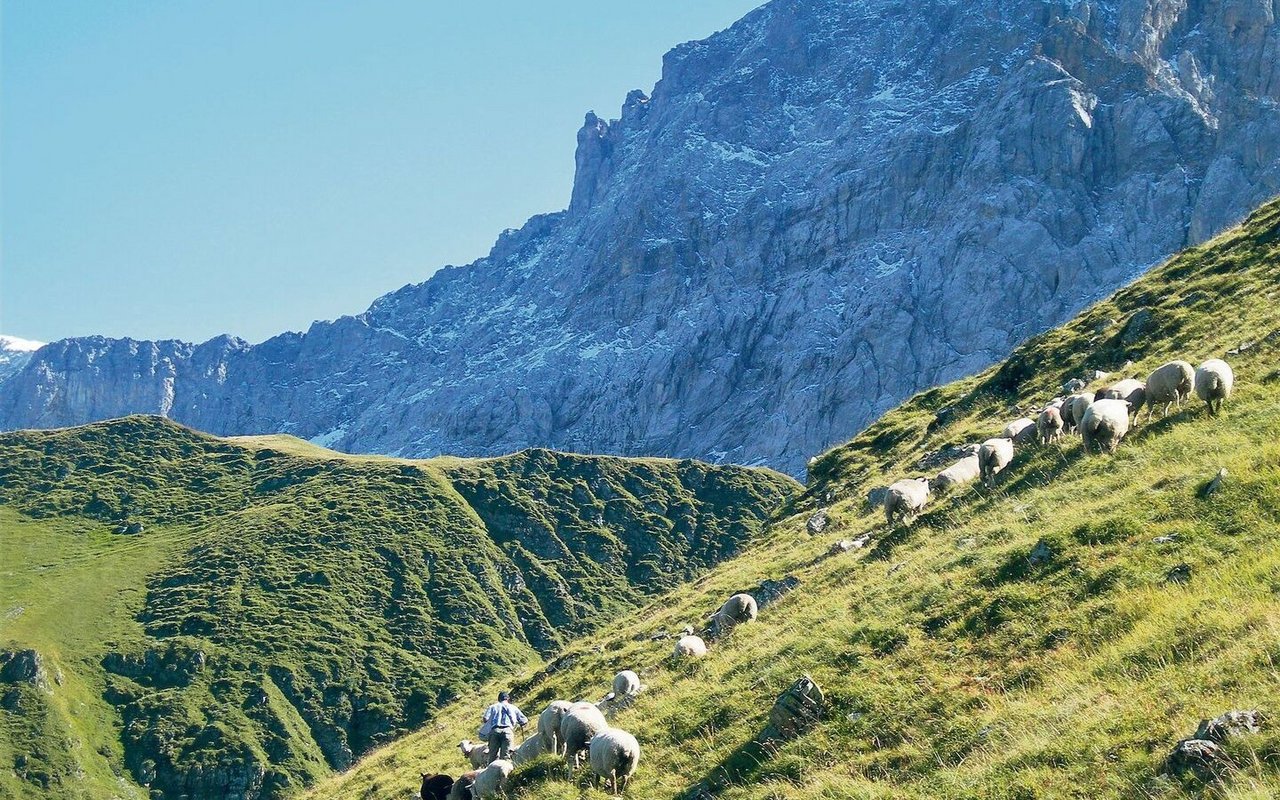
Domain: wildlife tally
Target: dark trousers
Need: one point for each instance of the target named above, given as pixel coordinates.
(501, 740)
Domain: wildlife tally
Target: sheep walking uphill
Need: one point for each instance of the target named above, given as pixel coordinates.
(905, 500)
(626, 684)
(549, 725)
(1049, 425)
(491, 780)
(528, 750)
(962, 472)
(1130, 390)
(1169, 384)
(995, 455)
(1073, 409)
(435, 787)
(462, 786)
(1020, 431)
(736, 610)
(613, 755)
(582, 722)
(1104, 425)
(476, 753)
(1213, 382)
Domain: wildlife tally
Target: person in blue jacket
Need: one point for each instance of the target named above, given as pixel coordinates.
(501, 720)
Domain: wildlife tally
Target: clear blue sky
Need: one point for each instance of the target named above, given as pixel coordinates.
(177, 169)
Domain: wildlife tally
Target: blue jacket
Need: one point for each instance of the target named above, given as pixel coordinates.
(504, 715)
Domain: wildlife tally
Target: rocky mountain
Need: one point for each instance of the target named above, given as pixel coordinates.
(212, 618)
(817, 212)
(14, 354)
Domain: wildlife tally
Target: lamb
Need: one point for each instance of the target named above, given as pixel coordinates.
(1049, 425)
(435, 787)
(1105, 424)
(462, 786)
(491, 780)
(1134, 391)
(627, 683)
(477, 754)
(995, 455)
(1020, 431)
(1169, 384)
(582, 722)
(958, 474)
(690, 645)
(736, 610)
(905, 500)
(613, 755)
(528, 750)
(1074, 407)
(549, 725)
(1213, 382)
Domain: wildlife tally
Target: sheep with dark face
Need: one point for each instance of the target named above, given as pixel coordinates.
(905, 500)
(1104, 425)
(1134, 392)
(582, 722)
(995, 455)
(435, 787)
(1169, 384)
(613, 755)
(462, 786)
(1213, 383)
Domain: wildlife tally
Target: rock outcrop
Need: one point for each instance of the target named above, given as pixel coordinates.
(818, 211)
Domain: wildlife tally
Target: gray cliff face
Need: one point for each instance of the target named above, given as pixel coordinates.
(818, 212)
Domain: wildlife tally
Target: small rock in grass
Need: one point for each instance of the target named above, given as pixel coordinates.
(1179, 574)
(1232, 723)
(818, 522)
(1200, 756)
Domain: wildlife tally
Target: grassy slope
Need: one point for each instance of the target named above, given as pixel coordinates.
(288, 608)
(954, 667)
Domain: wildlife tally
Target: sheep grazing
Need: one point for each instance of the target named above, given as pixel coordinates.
(960, 473)
(491, 780)
(435, 787)
(995, 455)
(905, 500)
(528, 750)
(626, 684)
(613, 755)
(1073, 409)
(1049, 425)
(1105, 424)
(1169, 384)
(462, 786)
(1134, 391)
(1213, 382)
(549, 725)
(476, 753)
(736, 610)
(582, 722)
(690, 646)
(1020, 431)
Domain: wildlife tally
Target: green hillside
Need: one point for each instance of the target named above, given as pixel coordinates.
(284, 608)
(1020, 642)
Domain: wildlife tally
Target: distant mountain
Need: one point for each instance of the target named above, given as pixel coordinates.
(217, 618)
(14, 354)
(817, 212)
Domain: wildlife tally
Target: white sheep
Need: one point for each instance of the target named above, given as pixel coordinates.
(476, 753)
(613, 755)
(491, 780)
(1049, 425)
(905, 500)
(1020, 431)
(1169, 384)
(962, 472)
(528, 750)
(690, 645)
(1073, 409)
(995, 455)
(582, 722)
(736, 610)
(1130, 389)
(626, 684)
(1105, 424)
(1213, 382)
(549, 725)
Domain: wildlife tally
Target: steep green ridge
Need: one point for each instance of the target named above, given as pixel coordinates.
(286, 609)
(955, 664)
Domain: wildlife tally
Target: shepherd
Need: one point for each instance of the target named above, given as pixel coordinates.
(498, 726)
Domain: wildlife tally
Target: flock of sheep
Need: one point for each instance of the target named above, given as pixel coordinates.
(581, 728)
(1102, 418)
